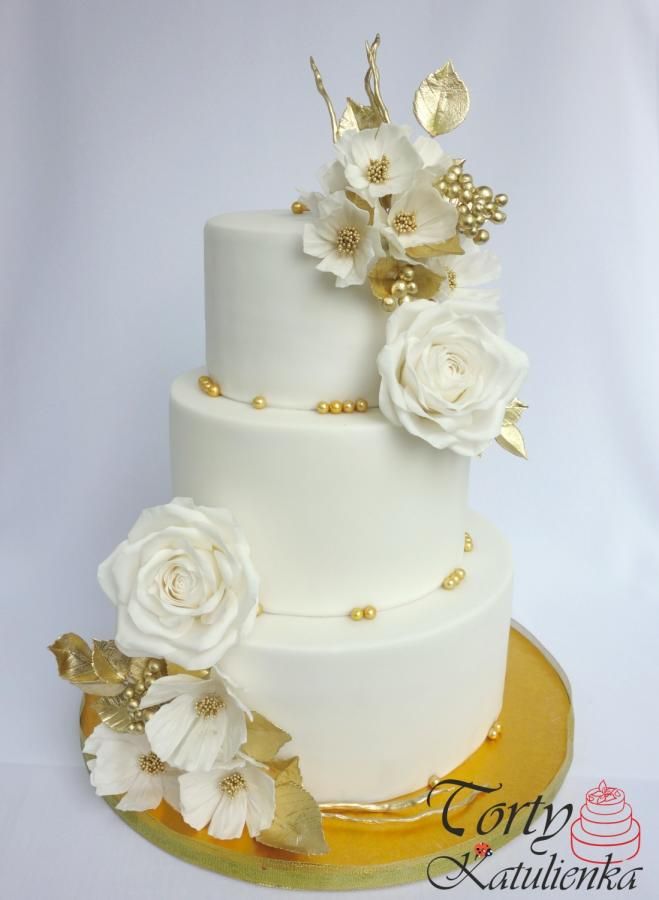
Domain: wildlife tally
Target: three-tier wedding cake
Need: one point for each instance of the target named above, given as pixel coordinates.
(317, 616)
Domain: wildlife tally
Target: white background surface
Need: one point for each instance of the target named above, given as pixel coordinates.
(124, 127)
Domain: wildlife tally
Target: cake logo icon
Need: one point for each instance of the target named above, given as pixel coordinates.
(605, 831)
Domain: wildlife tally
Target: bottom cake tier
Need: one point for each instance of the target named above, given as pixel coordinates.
(375, 707)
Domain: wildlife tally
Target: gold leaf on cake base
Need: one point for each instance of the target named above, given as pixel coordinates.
(264, 740)
(441, 102)
(75, 664)
(297, 826)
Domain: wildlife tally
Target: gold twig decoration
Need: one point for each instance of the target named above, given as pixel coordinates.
(373, 75)
(323, 93)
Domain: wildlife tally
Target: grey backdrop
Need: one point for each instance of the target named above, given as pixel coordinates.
(125, 125)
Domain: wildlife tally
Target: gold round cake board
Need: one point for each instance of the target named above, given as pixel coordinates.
(530, 758)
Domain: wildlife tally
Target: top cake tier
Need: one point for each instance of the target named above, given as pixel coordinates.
(277, 327)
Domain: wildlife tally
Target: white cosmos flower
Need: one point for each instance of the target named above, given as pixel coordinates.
(183, 584)
(419, 216)
(342, 239)
(126, 764)
(201, 723)
(227, 798)
(379, 161)
(448, 374)
(435, 161)
(467, 277)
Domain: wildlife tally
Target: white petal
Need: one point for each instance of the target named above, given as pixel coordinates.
(228, 820)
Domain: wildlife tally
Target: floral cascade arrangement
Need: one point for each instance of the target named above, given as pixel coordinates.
(405, 216)
(172, 726)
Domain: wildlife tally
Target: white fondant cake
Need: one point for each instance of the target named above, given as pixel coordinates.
(276, 326)
(315, 618)
(341, 511)
(376, 708)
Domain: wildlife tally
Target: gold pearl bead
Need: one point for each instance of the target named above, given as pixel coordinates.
(501, 199)
(259, 402)
(456, 169)
(361, 406)
(322, 407)
(336, 407)
(492, 734)
(131, 727)
(498, 727)
(450, 177)
(454, 190)
(498, 216)
(208, 386)
(298, 207)
(399, 289)
(482, 236)
(412, 288)
(389, 304)
(433, 781)
(128, 693)
(370, 612)
(443, 185)
(348, 406)
(139, 727)
(485, 192)
(465, 178)
(139, 687)
(356, 614)
(468, 196)
(459, 573)
(133, 704)
(407, 274)
(154, 667)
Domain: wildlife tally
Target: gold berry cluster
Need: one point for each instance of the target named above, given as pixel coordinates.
(366, 612)
(454, 579)
(338, 406)
(475, 205)
(135, 690)
(403, 289)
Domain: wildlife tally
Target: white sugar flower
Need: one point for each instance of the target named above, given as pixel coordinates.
(126, 764)
(435, 161)
(201, 723)
(448, 374)
(419, 216)
(227, 798)
(342, 239)
(183, 584)
(379, 161)
(467, 277)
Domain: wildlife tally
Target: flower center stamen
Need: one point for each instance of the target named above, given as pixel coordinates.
(452, 279)
(209, 706)
(404, 222)
(233, 784)
(151, 764)
(377, 170)
(347, 240)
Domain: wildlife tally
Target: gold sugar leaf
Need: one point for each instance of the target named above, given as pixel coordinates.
(361, 204)
(514, 412)
(113, 712)
(451, 247)
(441, 102)
(510, 437)
(297, 826)
(286, 771)
(74, 662)
(109, 662)
(74, 658)
(174, 669)
(264, 740)
(357, 117)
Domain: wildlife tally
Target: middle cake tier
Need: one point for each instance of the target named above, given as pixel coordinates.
(339, 511)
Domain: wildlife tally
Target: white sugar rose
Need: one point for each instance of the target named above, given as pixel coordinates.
(448, 374)
(183, 583)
